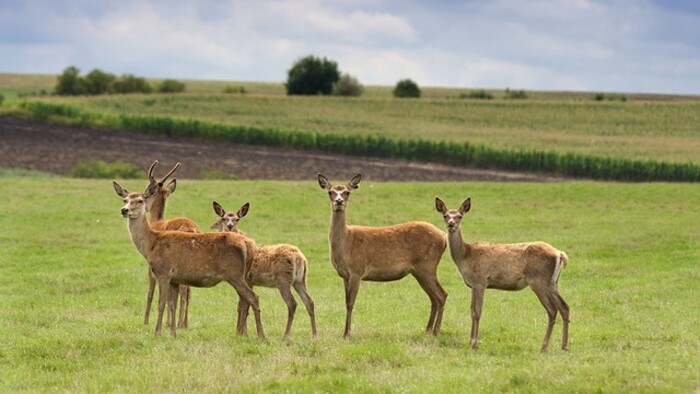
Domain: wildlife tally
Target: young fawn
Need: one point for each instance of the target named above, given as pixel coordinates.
(277, 266)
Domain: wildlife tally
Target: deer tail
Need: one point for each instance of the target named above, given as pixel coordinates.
(299, 270)
(562, 260)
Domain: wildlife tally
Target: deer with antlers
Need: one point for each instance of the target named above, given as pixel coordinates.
(383, 253)
(507, 267)
(193, 259)
(282, 266)
(156, 206)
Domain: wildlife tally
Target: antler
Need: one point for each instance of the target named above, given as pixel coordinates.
(150, 170)
(177, 165)
(165, 178)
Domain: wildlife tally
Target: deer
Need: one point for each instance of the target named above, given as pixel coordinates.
(507, 267)
(194, 259)
(156, 206)
(383, 254)
(279, 266)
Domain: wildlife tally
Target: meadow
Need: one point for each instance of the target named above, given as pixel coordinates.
(73, 293)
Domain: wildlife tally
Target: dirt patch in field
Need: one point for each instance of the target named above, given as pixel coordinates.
(35, 145)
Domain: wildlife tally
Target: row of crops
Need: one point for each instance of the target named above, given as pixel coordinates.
(445, 152)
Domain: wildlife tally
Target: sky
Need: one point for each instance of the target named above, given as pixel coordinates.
(631, 46)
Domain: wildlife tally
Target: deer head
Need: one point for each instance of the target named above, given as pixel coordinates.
(156, 188)
(339, 194)
(453, 217)
(228, 221)
(134, 203)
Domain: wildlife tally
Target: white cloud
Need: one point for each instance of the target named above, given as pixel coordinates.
(624, 45)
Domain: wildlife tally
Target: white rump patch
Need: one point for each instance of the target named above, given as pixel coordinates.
(559, 265)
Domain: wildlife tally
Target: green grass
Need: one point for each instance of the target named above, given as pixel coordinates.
(73, 291)
(14, 85)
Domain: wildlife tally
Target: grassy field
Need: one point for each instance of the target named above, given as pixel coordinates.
(73, 292)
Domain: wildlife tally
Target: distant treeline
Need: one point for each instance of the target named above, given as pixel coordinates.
(454, 153)
(71, 83)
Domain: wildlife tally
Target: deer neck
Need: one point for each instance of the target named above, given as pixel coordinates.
(141, 234)
(459, 250)
(336, 237)
(158, 207)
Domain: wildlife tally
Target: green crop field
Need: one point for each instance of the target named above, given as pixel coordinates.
(666, 131)
(73, 293)
(645, 127)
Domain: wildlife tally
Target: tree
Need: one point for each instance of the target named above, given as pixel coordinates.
(98, 82)
(171, 86)
(70, 83)
(129, 83)
(312, 75)
(406, 88)
(348, 85)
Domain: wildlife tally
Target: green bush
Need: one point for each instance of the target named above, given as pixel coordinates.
(406, 88)
(171, 86)
(99, 82)
(70, 83)
(233, 90)
(515, 94)
(99, 169)
(2, 98)
(609, 97)
(129, 83)
(477, 94)
(312, 75)
(348, 85)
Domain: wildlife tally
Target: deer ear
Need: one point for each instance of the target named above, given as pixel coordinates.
(355, 181)
(440, 205)
(323, 181)
(218, 209)
(466, 206)
(121, 192)
(244, 210)
(171, 186)
(216, 225)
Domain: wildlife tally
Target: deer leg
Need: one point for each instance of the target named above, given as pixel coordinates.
(173, 293)
(477, 303)
(437, 297)
(242, 323)
(546, 297)
(563, 308)
(288, 298)
(149, 295)
(245, 292)
(184, 306)
(352, 285)
(163, 293)
(442, 298)
(300, 287)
